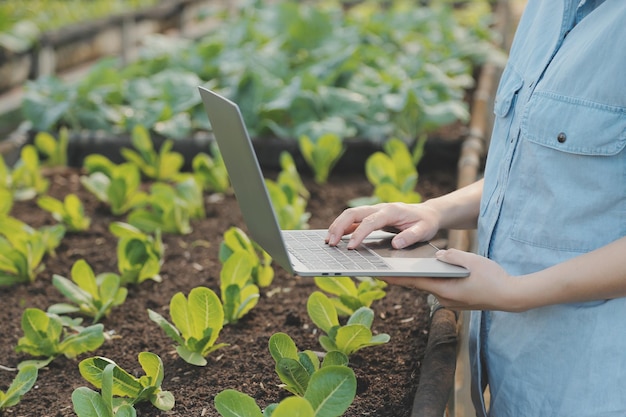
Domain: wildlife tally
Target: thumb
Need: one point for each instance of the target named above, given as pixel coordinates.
(456, 257)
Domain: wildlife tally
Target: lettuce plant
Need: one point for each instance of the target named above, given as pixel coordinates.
(198, 321)
(322, 154)
(330, 392)
(160, 166)
(132, 389)
(289, 195)
(239, 294)
(45, 335)
(349, 296)
(26, 180)
(356, 334)
(393, 173)
(22, 249)
(190, 191)
(139, 255)
(91, 295)
(54, 150)
(235, 240)
(6, 201)
(70, 212)
(119, 187)
(210, 170)
(295, 368)
(23, 382)
(89, 403)
(164, 209)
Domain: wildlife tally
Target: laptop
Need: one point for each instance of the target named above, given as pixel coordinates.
(304, 252)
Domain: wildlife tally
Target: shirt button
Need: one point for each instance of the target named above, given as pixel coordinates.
(561, 137)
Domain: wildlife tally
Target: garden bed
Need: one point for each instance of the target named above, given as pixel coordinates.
(387, 375)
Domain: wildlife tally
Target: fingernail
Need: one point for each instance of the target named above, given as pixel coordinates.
(330, 238)
(440, 253)
(399, 243)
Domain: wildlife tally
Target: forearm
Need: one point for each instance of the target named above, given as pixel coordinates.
(596, 275)
(459, 209)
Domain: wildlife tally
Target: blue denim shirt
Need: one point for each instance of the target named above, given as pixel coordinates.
(555, 187)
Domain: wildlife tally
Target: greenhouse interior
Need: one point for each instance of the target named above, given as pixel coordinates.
(144, 272)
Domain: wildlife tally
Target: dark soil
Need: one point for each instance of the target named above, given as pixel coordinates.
(387, 375)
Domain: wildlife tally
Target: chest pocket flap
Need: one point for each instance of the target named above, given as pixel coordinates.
(574, 126)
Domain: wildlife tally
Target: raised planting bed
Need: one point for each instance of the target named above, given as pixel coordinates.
(387, 375)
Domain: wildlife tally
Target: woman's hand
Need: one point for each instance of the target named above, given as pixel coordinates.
(488, 287)
(414, 223)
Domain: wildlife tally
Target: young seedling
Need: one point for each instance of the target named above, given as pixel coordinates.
(91, 295)
(70, 212)
(26, 178)
(45, 335)
(321, 155)
(356, 334)
(6, 201)
(164, 209)
(55, 150)
(239, 294)
(89, 403)
(23, 382)
(393, 173)
(118, 187)
(330, 392)
(162, 166)
(190, 191)
(210, 171)
(198, 321)
(139, 255)
(289, 196)
(349, 296)
(23, 248)
(235, 240)
(132, 389)
(295, 368)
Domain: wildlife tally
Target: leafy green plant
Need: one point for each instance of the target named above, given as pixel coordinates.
(70, 212)
(210, 171)
(322, 154)
(239, 295)
(162, 165)
(23, 382)
(45, 335)
(289, 195)
(236, 240)
(55, 150)
(132, 389)
(139, 255)
(295, 368)
(164, 209)
(22, 249)
(393, 173)
(26, 180)
(384, 70)
(119, 188)
(89, 403)
(6, 201)
(198, 321)
(190, 191)
(330, 392)
(349, 296)
(356, 334)
(91, 295)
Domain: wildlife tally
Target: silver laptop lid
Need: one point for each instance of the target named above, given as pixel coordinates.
(245, 175)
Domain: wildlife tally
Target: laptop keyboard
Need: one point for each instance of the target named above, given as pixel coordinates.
(310, 249)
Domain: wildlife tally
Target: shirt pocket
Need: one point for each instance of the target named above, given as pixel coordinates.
(570, 186)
